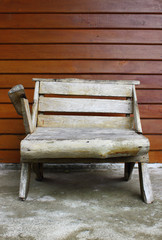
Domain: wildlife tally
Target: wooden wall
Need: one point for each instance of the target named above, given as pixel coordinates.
(88, 39)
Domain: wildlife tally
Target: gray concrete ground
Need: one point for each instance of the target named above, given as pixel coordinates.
(69, 205)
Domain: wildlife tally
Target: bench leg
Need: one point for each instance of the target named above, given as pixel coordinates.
(145, 183)
(24, 180)
(128, 170)
(38, 169)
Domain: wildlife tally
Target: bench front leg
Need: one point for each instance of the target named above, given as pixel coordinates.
(145, 183)
(24, 180)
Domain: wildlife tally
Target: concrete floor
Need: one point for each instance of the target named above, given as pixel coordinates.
(69, 205)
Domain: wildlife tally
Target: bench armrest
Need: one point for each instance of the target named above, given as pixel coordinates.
(137, 120)
(21, 104)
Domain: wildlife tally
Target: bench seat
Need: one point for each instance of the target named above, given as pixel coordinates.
(82, 143)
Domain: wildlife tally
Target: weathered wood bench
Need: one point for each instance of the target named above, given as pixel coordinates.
(111, 133)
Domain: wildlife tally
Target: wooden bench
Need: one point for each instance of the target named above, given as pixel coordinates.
(82, 121)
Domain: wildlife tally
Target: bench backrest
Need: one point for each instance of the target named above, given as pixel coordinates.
(68, 102)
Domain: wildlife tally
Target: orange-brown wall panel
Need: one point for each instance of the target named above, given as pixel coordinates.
(91, 36)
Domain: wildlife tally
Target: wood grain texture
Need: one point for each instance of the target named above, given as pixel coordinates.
(143, 96)
(86, 51)
(83, 6)
(13, 156)
(149, 126)
(80, 21)
(84, 121)
(80, 66)
(147, 81)
(47, 104)
(90, 36)
(146, 111)
(88, 88)
(152, 126)
(12, 142)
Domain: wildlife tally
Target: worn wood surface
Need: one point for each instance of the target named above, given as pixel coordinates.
(145, 183)
(15, 94)
(84, 121)
(86, 89)
(137, 121)
(9, 155)
(35, 105)
(24, 180)
(83, 143)
(26, 116)
(47, 104)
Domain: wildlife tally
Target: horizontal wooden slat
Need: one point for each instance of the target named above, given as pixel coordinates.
(155, 156)
(89, 89)
(83, 6)
(47, 104)
(91, 21)
(150, 110)
(80, 66)
(146, 111)
(5, 99)
(78, 80)
(147, 81)
(13, 141)
(151, 126)
(149, 96)
(10, 141)
(10, 156)
(11, 126)
(86, 121)
(143, 96)
(13, 156)
(155, 142)
(70, 51)
(80, 36)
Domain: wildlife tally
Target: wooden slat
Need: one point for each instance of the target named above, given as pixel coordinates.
(84, 105)
(150, 111)
(146, 111)
(146, 81)
(80, 36)
(10, 141)
(13, 156)
(151, 126)
(155, 156)
(80, 66)
(13, 141)
(137, 120)
(78, 80)
(10, 156)
(155, 142)
(86, 88)
(11, 126)
(84, 121)
(83, 6)
(142, 97)
(80, 21)
(86, 51)
(149, 96)
(5, 99)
